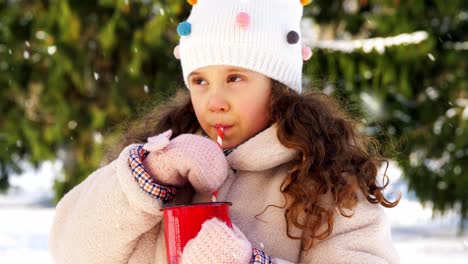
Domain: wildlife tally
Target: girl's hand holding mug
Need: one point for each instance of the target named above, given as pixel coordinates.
(186, 158)
(217, 243)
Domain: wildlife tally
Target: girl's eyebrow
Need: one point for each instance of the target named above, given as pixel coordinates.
(237, 70)
(193, 73)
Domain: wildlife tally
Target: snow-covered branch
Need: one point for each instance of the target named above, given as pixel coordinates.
(367, 45)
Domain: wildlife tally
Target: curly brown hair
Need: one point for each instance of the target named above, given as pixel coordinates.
(334, 157)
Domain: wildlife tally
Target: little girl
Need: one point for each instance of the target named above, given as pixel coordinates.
(301, 177)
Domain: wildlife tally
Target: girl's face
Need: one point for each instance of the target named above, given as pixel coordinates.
(234, 98)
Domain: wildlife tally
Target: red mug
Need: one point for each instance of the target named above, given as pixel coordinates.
(183, 222)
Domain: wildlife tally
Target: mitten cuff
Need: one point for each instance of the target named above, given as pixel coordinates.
(260, 257)
(144, 180)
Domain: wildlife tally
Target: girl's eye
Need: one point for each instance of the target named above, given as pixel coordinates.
(234, 78)
(198, 81)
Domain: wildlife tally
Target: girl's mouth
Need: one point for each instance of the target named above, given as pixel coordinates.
(224, 127)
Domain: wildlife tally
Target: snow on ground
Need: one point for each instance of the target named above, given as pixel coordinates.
(26, 216)
(24, 235)
(420, 239)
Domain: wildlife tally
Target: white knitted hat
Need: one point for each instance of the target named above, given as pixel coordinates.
(259, 35)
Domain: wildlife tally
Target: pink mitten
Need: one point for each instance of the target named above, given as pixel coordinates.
(217, 243)
(187, 157)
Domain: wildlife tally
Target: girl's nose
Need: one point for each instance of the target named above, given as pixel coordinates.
(217, 103)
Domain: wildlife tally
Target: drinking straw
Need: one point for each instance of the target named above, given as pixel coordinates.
(219, 140)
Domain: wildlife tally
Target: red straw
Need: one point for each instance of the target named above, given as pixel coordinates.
(219, 140)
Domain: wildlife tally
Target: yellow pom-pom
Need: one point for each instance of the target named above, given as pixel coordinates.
(192, 2)
(305, 2)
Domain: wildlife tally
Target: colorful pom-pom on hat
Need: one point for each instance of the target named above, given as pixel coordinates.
(243, 19)
(184, 28)
(176, 52)
(245, 33)
(306, 53)
(305, 2)
(292, 37)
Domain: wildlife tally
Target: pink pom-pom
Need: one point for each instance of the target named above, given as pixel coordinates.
(243, 19)
(176, 52)
(306, 53)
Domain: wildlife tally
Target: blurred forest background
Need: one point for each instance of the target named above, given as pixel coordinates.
(71, 72)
